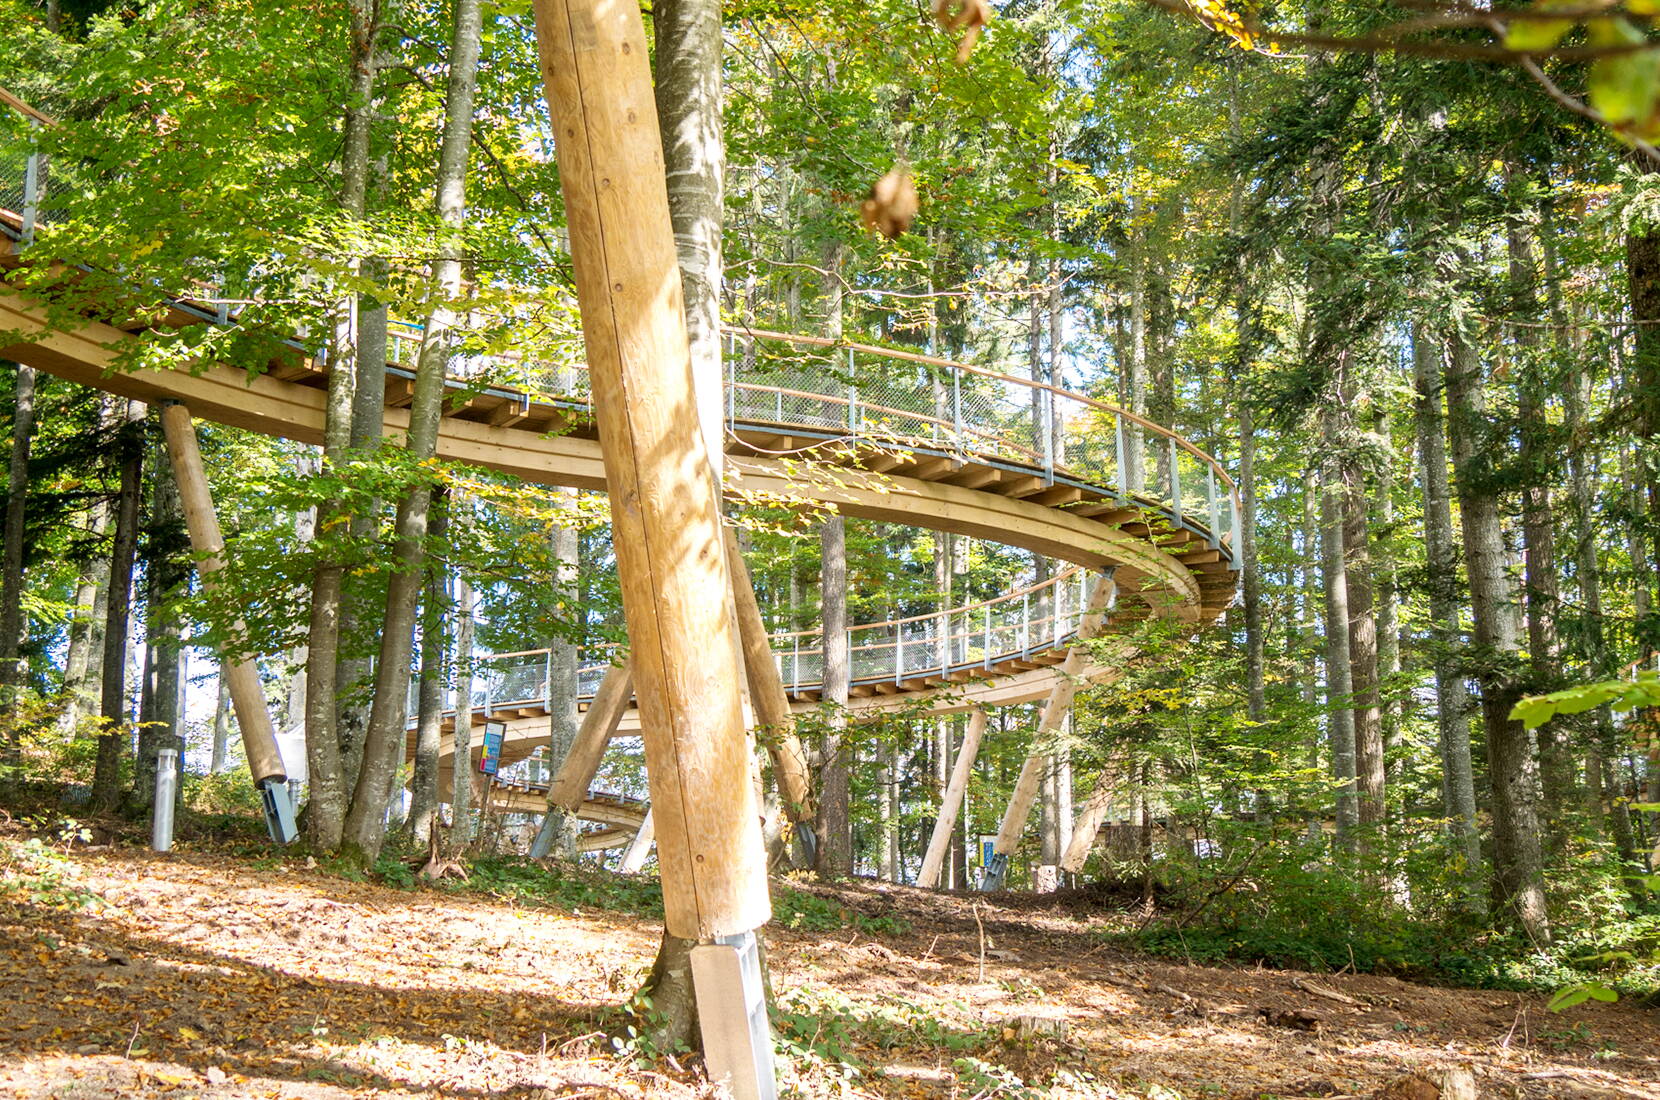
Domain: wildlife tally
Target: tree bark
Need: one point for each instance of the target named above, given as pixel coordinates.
(689, 98)
(1363, 652)
(11, 546)
(1542, 597)
(1451, 700)
(326, 779)
(1511, 767)
(461, 774)
(221, 726)
(1339, 666)
(835, 822)
(165, 572)
(429, 716)
(557, 834)
(112, 705)
(383, 744)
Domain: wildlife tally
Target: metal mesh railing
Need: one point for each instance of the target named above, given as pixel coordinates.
(976, 636)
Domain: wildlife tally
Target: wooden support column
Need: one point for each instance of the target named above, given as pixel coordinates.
(946, 823)
(1088, 825)
(634, 856)
(766, 693)
(676, 587)
(1054, 713)
(568, 788)
(259, 735)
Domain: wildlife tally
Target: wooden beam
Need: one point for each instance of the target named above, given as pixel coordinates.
(1087, 826)
(665, 509)
(1019, 485)
(639, 848)
(1059, 494)
(933, 468)
(569, 789)
(1054, 714)
(773, 716)
(946, 823)
(259, 735)
(974, 477)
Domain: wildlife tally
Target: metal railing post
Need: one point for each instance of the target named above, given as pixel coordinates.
(547, 682)
(1046, 406)
(957, 407)
(1211, 509)
(1026, 625)
(732, 384)
(898, 653)
(1123, 471)
(31, 194)
(988, 636)
(1175, 481)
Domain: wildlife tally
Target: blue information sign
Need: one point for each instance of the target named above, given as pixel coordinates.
(490, 761)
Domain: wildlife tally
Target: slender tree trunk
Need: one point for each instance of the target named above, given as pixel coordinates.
(1451, 701)
(106, 778)
(461, 782)
(1339, 667)
(326, 779)
(429, 715)
(383, 745)
(165, 573)
(1363, 651)
(81, 658)
(557, 835)
(835, 824)
(221, 726)
(11, 547)
(1511, 768)
(688, 91)
(1542, 598)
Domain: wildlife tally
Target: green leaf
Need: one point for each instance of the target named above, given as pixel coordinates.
(1531, 35)
(1567, 998)
(1623, 87)
(1600, 992)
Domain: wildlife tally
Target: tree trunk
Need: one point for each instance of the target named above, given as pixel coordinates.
(326, 779)
(1511, 768)
(221, 725)
(1363, 652)
(165, 572)
(429, 716)
(688, 92)
(1542, 598)
(461, 774)
(1451, 701)
(383, 744)
(835, 822)
(11, 548)
(112, 707)
(557, 834)
(1339, 667)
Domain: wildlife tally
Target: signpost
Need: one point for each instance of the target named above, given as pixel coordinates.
(489, 762)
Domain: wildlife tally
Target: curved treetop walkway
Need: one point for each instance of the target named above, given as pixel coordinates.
(875, 432)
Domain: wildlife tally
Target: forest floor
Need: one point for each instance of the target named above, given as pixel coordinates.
(124, 973)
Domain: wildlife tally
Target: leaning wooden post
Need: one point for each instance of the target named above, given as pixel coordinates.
(259, 735)
(946, 823)
(665, 515)
(634, 856)
(1088, 825)
(569, 786)
(767, 696)
(1054, 714)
